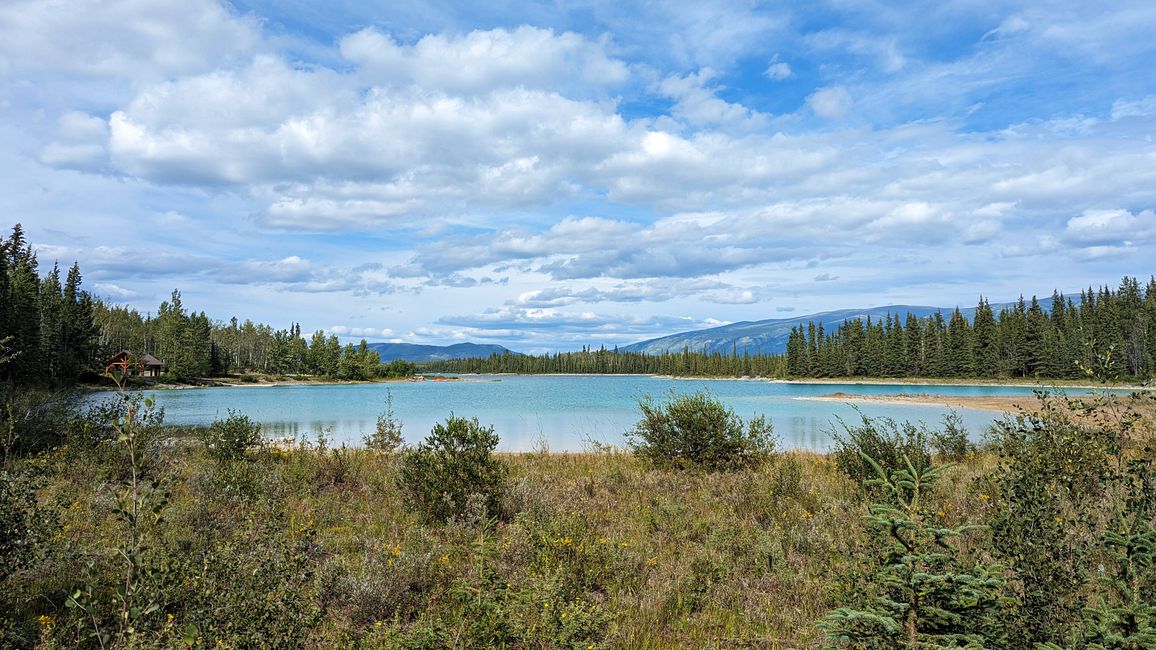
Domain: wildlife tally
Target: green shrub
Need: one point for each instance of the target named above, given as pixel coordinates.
(951, 442)
(387, 435)
(32, 420)
(883, 440)
(229, 439)
(1075, 484)
(698, 431)
(454, 463)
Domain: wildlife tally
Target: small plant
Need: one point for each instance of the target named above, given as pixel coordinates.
(922, 595)
(387, 436)
(455, 462)
(228, 440)
(698, 431)
(140, 505)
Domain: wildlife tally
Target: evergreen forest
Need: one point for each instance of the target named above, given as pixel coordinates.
(1114, 330)
(55, 333)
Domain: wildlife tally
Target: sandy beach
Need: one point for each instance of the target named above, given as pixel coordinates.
(1019, 404)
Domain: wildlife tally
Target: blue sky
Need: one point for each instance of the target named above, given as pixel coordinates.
(549, 175)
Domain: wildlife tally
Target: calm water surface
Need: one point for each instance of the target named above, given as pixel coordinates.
(564, 412)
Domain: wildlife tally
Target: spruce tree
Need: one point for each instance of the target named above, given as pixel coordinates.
(922, 594)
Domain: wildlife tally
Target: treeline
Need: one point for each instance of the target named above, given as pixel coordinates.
(193, 346)
(1116, 328)
(46, 326)
(54, 332)
(614, 362)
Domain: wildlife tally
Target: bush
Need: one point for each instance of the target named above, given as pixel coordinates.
(454, 463)
(698, 431)
(951, 443)
(387, 435)
(227, 440)
(883, 440)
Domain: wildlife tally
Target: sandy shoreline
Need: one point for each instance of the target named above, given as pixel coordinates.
(1017, 404)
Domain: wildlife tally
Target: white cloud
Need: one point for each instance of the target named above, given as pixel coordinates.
(1111, 227)
(778, 71)
(130, 39)
(1143, 107)
(832, 102)
(481, 61)
(698, 104)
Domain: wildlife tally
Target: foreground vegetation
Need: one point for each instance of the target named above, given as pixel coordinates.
(128, 534)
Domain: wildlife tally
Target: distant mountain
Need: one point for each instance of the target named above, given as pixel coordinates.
(415, 353)
(770, 336)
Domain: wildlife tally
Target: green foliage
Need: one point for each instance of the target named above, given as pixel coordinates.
(1049, 490)
(589, 361)
(231, 439)
(140, 502)
(33, 420)
(454, 465)
(1126, 616)
(951, 442)
(923, 596)
(387, 435)
(879, 441)
(253, 591)
(698, 431)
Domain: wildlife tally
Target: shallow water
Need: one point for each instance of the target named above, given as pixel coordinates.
(564, 413)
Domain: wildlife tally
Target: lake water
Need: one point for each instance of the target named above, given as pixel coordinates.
(565, 412)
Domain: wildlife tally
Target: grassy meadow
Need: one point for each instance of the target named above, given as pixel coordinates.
(143, 536)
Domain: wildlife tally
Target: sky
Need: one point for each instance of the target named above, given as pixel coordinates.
(548, 175)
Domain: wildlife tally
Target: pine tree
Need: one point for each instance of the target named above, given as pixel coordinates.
(52, 325)
(23, 308)
(986, 336)
(80, 330)
(922, 594)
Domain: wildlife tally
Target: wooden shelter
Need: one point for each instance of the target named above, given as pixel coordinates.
(129, 366)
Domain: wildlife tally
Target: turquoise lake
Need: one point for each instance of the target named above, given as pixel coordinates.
(565, 412)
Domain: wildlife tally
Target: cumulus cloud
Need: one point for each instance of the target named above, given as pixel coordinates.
(639, 291)
(549, 172)
(833, 102)
(483, 60)
(1111, 228)
(131, 39)
(698, 104)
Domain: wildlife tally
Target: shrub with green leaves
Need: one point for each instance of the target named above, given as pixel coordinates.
(883, 440)
(950, 442)
(229, 439)
(698, 431)
(1075, 498)
(453, 468)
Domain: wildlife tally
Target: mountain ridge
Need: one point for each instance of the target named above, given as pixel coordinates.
(414, 352)
(769, 336)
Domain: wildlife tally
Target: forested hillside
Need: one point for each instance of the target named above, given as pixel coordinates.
(615, 362)
(1111, 328)
(1117, 328)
